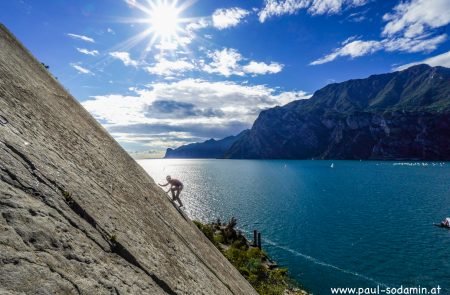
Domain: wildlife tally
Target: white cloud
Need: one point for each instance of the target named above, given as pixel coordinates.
(199, 108)
(88, 52)
(124, 57)
(111, 31)
(333, 6)
(173, 44)
(358, 17)
(196, 25)
(361, 48)
(415, 17)
(350, 39)
(261, 68)
(166, 67)
(224, 62)
(352, 49)
(418, 44)
(228, 62)
(234, 98)
(442, 60)
(289, 96)
(81, 69)
(226, 18)
(280, 7)
(409, 28)
(81, 37)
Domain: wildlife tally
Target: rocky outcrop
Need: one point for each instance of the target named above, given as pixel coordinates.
(208, 149)
(77, 214)
(400, 115)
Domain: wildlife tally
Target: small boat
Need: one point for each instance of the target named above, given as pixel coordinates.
(444, 223)
(332, 165)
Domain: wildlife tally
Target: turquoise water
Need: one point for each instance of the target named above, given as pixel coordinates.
(359, 224)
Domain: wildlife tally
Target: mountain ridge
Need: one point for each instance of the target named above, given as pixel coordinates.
(399, 115)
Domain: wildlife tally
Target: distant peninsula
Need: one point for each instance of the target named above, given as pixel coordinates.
(208, 149)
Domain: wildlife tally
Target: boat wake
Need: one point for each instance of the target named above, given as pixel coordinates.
(423, 164)
(322, 263)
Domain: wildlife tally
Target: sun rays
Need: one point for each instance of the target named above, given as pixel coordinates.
(166, 26)
(165, 20)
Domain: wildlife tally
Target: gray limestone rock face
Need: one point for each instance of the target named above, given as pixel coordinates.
(77, 214)
(402, 115)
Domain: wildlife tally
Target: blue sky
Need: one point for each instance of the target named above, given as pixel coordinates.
(159, 74)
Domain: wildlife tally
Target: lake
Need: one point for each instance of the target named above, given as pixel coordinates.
(356, 224)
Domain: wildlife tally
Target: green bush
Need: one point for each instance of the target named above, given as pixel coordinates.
(254, 253)
(278, 274)
(236, 257)
(67, 196)
(253, 280)
(270, 289)
(244, 271)
(197, 223)
(255, 266)
(219, 239)
(208, 230)
(239, 244)
(250, 261)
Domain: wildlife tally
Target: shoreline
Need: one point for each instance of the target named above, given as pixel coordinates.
(263, 273)
(318, 160)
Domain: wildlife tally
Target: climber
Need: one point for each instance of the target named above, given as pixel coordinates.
(176, 187)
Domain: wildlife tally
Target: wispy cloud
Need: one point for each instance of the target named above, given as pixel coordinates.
(124, 57)
(280, 7)
(333, 6)
(352, 49)
(80, 69)
(81, 37)
(359, 16)
(88, 52)
(442, 60)
(422, 43)
(197, 24)
(359, 48)
(226, 18)
(274, 8)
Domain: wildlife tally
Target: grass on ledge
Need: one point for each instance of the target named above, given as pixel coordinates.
(253, 263)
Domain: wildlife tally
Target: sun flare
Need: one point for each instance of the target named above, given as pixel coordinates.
(164, 27)
(164, 20)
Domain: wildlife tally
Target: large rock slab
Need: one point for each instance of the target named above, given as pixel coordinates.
(78, 214)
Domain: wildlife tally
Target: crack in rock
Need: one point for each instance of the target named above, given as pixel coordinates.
(3, 120)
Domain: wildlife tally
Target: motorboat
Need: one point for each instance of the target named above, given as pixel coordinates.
(444, 223)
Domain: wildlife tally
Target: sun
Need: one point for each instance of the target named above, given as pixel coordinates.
(164, 20)
(164, 26)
